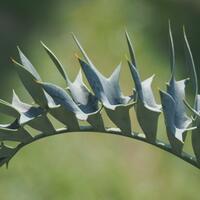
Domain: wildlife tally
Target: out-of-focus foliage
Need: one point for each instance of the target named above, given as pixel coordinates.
(96, 166)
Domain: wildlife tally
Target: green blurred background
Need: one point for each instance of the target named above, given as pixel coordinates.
(94, 166)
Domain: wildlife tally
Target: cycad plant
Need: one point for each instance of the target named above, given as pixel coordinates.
(77, 103)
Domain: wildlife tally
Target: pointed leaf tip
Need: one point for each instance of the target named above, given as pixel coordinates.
(56, 62)
(192, 67)
(28, 65)
(131, 49)
(172, 51)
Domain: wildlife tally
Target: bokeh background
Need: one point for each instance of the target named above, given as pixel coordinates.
(97, 166)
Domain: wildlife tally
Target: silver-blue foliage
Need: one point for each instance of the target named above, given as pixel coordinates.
(77, 103)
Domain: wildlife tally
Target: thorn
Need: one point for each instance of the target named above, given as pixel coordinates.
(184, 29)
(77, 56)
(42, 43)
(18, 48)
(73, 35)
(160, 91)
(12, 60)
(126, 32)
(75, 38)
(39, 82)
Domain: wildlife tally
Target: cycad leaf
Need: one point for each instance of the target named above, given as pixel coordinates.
(95, 80)
(29, 81)
(95, 119)
(66, 106)
(42, 124)
(8, 109)
(114, 77)
(131, 49)
(28, 66)
(147, 111)
(19, 135)
(198, 103)
(108, 92)
(190, 63)
(87, 102)
(65, 116)
(33, 116)
(56, 62)
(120, 117)
(196, 132)
(176, 119)
(13, 125)
(27, 112)
(137, 80)
(172, 51)
(76, 102)
(149, 99)
(176, 134)
(177, 91)
(148, 120)
(106, 89)
(86, 56)
(196, 109)
(61, 97)
(6, 154)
